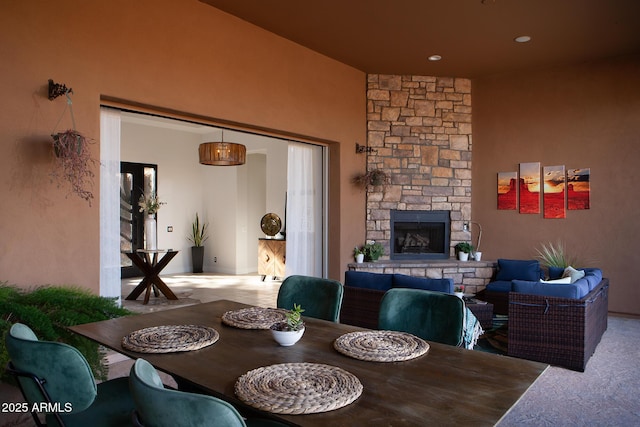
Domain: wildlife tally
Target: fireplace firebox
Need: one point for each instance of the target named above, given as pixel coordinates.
(417, 235)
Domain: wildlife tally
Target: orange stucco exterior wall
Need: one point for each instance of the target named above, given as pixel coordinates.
(182, 56)
(190, 58)
(582, 116)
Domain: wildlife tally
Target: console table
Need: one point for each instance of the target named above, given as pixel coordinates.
(271, 257)
(147, 261)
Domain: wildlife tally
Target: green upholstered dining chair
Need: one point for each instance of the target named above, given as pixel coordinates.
(320, 298)
(430, 315)
(57, 374)
(157, 406)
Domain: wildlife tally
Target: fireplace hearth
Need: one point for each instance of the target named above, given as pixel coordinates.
(420, 235)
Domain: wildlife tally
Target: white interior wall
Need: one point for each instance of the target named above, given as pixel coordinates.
(232, 199)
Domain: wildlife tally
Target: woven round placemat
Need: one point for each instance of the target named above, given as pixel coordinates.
(254, 317)
(298, 388)
(381, 346)
(170, 338)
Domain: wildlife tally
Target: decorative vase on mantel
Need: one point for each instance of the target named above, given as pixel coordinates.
(150, 233)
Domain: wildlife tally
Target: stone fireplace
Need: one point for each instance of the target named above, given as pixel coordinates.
(419, 235)
(419, 133)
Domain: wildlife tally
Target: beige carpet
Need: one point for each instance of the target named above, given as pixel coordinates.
(605, 394)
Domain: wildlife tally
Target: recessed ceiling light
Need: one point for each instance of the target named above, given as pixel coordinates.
(435, 58)
(522, 39)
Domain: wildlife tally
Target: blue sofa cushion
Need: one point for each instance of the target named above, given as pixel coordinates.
(441, 285)
(499, 286)
(511, 269)
(363, 279)
(574, 290)
(595, 272)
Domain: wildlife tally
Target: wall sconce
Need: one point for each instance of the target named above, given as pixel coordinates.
(222, 154)
(57, 89)
(364, 149)
(465, 227)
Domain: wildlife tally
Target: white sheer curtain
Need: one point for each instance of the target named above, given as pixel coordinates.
(304, 222)
(110, 203)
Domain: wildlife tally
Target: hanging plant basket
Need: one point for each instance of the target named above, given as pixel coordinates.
(68, 143)
(74, 161)
(375, 177)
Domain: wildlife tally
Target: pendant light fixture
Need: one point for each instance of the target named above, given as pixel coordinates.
(222, 153)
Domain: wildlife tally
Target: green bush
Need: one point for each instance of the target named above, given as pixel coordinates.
(49, 310)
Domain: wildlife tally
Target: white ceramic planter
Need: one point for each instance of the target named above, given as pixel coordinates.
(287, 338)
(360, 258)
(463, 256)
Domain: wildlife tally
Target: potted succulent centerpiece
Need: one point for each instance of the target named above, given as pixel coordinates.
(289, 332)
(198, 237)
(358, 254)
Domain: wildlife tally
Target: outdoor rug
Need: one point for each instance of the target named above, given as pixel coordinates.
(494, 340)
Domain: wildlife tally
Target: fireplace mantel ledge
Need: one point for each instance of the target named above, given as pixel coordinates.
(431, 263)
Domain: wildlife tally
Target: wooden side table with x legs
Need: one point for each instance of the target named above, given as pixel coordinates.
(147, 261)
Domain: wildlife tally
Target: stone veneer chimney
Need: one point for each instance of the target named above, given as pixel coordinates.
(419, 130)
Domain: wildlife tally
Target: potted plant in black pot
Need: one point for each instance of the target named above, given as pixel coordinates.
(198, 237)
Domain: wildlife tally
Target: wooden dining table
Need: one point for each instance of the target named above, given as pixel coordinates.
(446, 386)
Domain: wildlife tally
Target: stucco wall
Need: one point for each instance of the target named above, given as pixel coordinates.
(578, 116)
(180, 56)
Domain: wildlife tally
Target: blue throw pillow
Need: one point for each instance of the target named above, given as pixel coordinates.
(363, 279)
(555, 272)
(440, 285)
(499, 286)
(511, 269)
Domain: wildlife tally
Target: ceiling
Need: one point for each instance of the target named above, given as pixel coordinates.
(474, 37)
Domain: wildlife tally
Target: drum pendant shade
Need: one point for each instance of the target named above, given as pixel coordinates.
(222, 153)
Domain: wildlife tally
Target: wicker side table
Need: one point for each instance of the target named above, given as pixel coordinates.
(484, 312)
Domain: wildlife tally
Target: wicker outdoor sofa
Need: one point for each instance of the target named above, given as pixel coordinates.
(558, 331)
(556, 321)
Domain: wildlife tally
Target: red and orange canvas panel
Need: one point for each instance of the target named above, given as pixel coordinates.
(554, 192)
(507, 190)
(578, 189)
(529, 188)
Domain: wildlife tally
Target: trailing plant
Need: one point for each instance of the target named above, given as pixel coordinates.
(198, 232)
(375, 177)
(73, 156)
(554, 255)
(49, 310)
